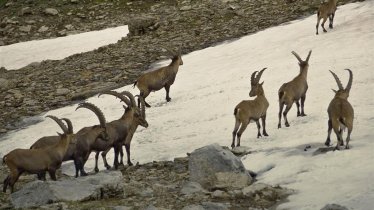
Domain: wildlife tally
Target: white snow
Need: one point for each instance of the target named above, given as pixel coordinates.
(212, 81)
(18, 55)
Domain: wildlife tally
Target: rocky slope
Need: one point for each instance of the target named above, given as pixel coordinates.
(191, 24)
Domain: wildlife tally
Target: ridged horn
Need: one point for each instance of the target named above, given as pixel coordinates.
(118, 95)
(349, 84)
(258, 77)
(297, 56)
(59, 122)
(253, 78)
(130, 96)
(307, 58)
(340, 86)
(96, 110)
(70, 125)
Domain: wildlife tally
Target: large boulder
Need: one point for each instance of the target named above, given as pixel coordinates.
(105, 184)
(214, 167)
(142, 25)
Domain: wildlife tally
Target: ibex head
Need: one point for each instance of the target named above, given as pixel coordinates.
(256, 86)
(302, 64)
(175, 57)
(343, 92)
(139, 114)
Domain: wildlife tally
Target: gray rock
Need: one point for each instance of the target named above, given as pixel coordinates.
(214, 206)
(142, 25)
(51, 11)
(25, 28)
(122, 208)
(62, 91)
(191, 188)
(185, 8)
(26, 11)
(209, 161)
(334, 207)
(43, 29)
(102, 185)
(6, 84)
(219, 194)
(193, 207)
(232, 180)
(241, 151)
(74, 1)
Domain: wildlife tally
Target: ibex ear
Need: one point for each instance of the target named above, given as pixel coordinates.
(262, 83)
(335, 91)
(59, 134)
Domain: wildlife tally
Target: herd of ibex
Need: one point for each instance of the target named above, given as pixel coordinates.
(48, 153)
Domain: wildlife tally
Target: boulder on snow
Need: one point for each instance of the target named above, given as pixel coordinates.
(334, 207)
(215, 167)
(37, 193)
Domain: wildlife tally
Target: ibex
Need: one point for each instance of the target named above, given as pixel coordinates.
(37, 161)
(79, 148)
(326, 10)
(163, 77)
(122, 130)
(294, 91)
(340, 112)
(251, 110)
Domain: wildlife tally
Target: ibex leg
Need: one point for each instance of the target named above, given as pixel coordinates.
(302, 105)
(318, 20)
(127, 146)
(52, 173)
(167, 88)
(96, 162)
(329, 129)
(280, 114)
(144, 94)
(6, 183)
(240, 132)
(13, 179)
(331, 25)
(264, 126)
(338, 136)
(323, 24)
(258, 128)
(288, 107)
(121, 155)
(236, 128)
(298, 108)
(41, 176)
(348, 138)
(103, 155)
(116, 153)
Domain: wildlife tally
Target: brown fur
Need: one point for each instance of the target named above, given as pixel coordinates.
(121, 131)
(294, 91)
(163, 77)
(251, 110)
(326, 10)
(35, 161)
(341, 113)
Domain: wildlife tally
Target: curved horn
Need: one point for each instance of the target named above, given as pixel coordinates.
(337, 80)
(70, 125)
(130, 96)
(96, 110)
(307, 58)
(59, 122)
(253, 78)
(118, 95)
(258, 77)
(297, 56)
(349, 84)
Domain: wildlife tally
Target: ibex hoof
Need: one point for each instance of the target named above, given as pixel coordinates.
(168, 99)
(303, 114)
(84, 174)
(347, 147)
(96, 170)
(232, 146)
(287, 125)
(108, 167)
(279, 126)
(130, 164)
(327, 143)
(324, 31)
(265, 134)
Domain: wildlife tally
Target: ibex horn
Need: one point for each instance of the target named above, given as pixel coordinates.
(59, 122)
(340, 86)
